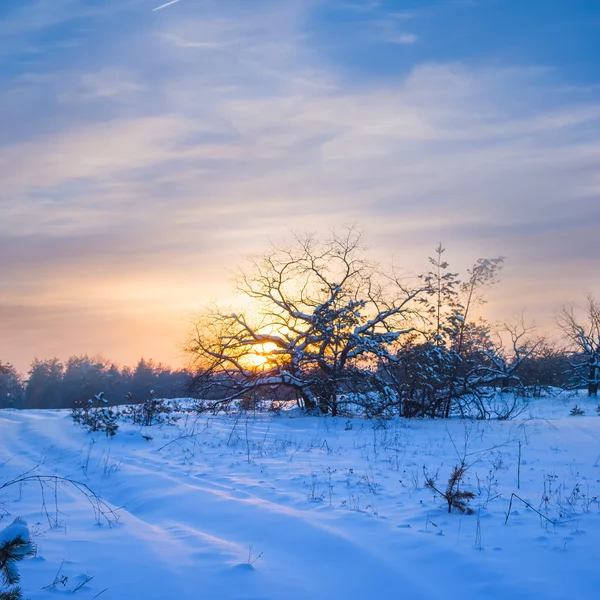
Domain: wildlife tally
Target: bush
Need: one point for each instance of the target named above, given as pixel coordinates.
(154, 411)
(96, 416)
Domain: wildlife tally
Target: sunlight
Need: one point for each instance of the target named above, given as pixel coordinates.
(260, 358)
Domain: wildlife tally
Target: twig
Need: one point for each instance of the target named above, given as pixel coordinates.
(87, 579)
(519, 468)
(101, 508)
(57, 578)
(513, 495)
(177, 439)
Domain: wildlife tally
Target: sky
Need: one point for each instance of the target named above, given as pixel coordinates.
(144, 153)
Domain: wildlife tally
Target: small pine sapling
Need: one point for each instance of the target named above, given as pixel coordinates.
(577, 411)
(454, 496)
(15, 545)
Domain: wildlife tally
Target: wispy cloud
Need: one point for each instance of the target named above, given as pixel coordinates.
(359, 6)
(180, 42)
(404, 39)
(110, 82)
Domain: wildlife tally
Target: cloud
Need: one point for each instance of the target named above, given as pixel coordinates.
(306, 147)
(25, 26)
(143, 177)
(110, 82)
(360, 6)
(180, 42)
(403, 39)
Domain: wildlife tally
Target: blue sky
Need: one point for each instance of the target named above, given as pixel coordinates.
(142, 152)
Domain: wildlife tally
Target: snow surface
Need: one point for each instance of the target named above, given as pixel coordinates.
(265, 507)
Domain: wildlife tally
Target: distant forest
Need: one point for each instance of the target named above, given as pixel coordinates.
(54, 384)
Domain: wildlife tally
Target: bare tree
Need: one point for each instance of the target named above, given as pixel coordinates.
(447, 367)
(500, 366)
(504, 357)
(483, 274)
(321, 316)
(546, 369)
(583, 336)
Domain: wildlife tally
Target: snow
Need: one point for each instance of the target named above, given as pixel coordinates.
(17, 529)
(270, 507)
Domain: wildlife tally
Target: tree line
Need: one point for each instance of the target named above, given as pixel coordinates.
(338, 332)
(54, 384)
(327, 327)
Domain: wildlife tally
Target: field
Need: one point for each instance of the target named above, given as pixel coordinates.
(258, 506)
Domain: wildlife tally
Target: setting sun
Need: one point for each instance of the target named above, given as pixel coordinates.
(261, 357)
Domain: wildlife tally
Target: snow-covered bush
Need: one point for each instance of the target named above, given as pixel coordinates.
(154, 411)
(96, 416)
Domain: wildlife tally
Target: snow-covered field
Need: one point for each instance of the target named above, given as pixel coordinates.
(292, 507)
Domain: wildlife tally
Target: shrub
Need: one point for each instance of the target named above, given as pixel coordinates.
(95, 416)
(154, 411)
